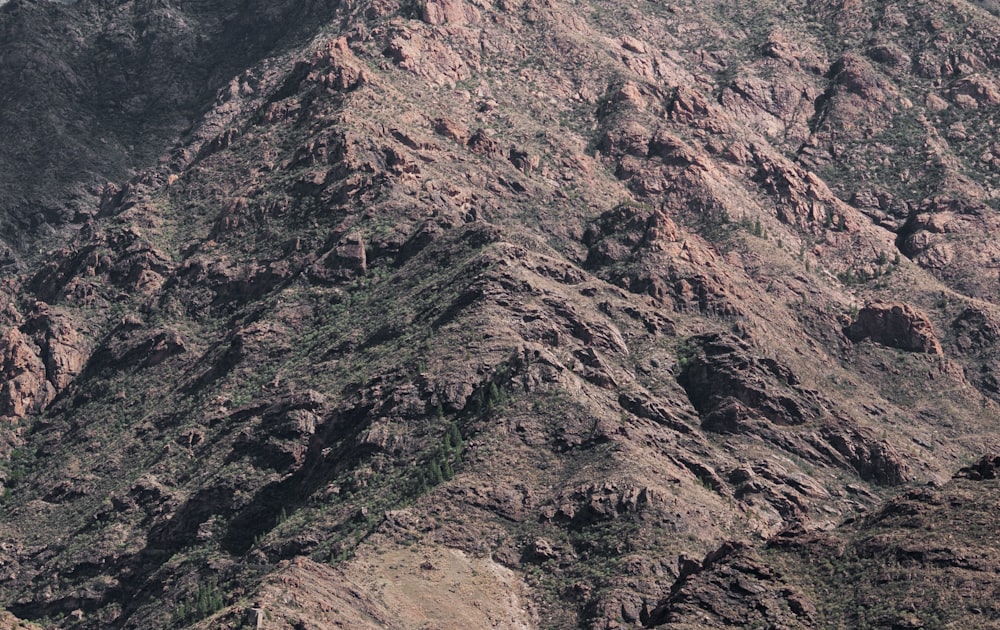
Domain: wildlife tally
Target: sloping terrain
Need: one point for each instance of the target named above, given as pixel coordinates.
(919, 561)
(525, 314)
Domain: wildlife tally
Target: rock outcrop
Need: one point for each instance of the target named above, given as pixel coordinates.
(732, 586)
(984, 469)
(897, 326)
(25, 388)
(728, 386)
(39, 360)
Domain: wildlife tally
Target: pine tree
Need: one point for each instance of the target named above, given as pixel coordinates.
(434, 470)
(454, 438)
(494, 396)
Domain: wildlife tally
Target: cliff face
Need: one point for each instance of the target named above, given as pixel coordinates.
(522, 314)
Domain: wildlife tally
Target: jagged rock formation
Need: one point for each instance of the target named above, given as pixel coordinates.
(528, 314)
(896, 326)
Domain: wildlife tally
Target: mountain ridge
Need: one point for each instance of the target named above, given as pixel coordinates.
(538, 314)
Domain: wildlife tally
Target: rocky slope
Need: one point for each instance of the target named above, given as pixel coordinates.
(522, 314)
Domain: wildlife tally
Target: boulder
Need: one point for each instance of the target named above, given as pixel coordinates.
(632, 44)
(483, 143)
(452, 129)
(350, 256)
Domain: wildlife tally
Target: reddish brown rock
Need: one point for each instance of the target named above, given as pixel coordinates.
(897, 326)
(644, 253)
(628, 138)
(141, 268)
(454, 12)
(25, 388)
(337, 68)
(730, 387)
(233, 215)
(859, 448)
(523, 160)
(483, 143)
(632, 44)
(855, 75)
(889, 55)
(427, 58)
(115, 199)
(163, 346)
(777, 109)
(792, 52)
(10, 622)
(985, 468)
(347, 260)
(65, 351)
(690, 106)
(452, 129)
(976, 91)
(631, 94)
(140, 349)
(732, 586)
(536, 325)
(231, 280)
(804, 199)
(350, 254)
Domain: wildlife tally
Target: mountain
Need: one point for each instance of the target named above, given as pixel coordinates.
(526, 313)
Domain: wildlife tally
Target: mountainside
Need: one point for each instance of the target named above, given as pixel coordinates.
(526, 313)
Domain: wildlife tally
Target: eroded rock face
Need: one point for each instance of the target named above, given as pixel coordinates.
(874, 460)
(345, 261)
(643, 251)
(63, 348)
(897, 326)
(729, 386)
(455, 12)
(40, 359)
(338, 68)
(717, 590)
(737, 392)
(427, 57)
(277, 434)
(776, 108)
(975, 91)
(976, 330)
(805, 198)
(25, 388)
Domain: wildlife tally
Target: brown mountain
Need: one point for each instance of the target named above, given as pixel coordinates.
(450, 314)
